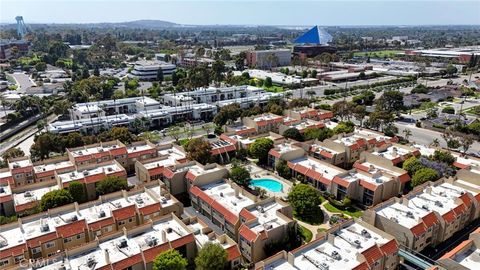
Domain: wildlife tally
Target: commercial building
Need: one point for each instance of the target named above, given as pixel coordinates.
(351, 245)
(427, 216)
(147, 70)
(463, 55)
(268, 58)
(279, 78)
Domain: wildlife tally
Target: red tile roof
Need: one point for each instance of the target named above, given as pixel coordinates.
(149, 209)
(8, 198)
(233, 253)
(71, 229)
(200, 194)
(418, 229)
(372, 255)
(151, 253)
(404, 178)
(362, 266)
(247, 214)
(457, 249)
(183, 241)
(229, 216)
(168, 173)
(460, 209)
(466, 199)
(390, 247)
(460, 165)
(37, 241)
(430, 220)
(340, 181)
(326, 154)
(124, 213)
(246, 233)
(13, 251)
(274, 153)
(449, 217)
(190, 176)
(361, 167)
(368, 185)
(130, 261)
(101, 223)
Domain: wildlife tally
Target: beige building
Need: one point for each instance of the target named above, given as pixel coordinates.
(204, 234)
(264, 123)
(45, 234)
(352, 245)
(464, 256)
(395, 153)
(286, 151)
(243, 142)
(427, 216)
(98, 153)
(308, 113)
(179, 178)
(329, 151)
(262, 223)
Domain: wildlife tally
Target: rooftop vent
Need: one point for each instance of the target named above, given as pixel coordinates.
(163, 200)
(2, 190)
(151, 241)
(15, 166)
(394, 219)
(196, 231)
(365, 233)
(110, 169)
(336, 255)
(85, 173)
(139, 200)
(409, 214)
(44, 228)
(122, 243)
(439, 203)
(101, 214)
(118, 205)
(221, 194)
(358, 243)
(425, 207)
(28, 194)
(73, 218)
(91, 262)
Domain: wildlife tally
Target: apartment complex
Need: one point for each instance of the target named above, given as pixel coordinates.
(427, 216)
(308, 113)
(262, 223)
(351, 245)
(465, 256)
(264, 123)
(286, 151)
(60, 229)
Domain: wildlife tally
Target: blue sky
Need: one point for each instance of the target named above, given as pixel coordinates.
(350, 12)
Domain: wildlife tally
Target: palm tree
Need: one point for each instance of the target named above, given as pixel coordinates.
(435, 142)
(407, 133)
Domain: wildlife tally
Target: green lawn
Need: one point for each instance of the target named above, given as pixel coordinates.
(316, 217)
(351, 212)
(307, 235)
(274, 89)
(380, 54)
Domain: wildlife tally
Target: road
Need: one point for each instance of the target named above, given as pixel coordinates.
(23, 81)
(426, 136)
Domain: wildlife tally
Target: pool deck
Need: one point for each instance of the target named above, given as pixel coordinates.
(259, 173)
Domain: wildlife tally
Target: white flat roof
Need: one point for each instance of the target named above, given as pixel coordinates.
(469, 258)
(224, 194)
(32, 195)
(267, 217)
(407, 216)
(76, 175)
(327, 171)
(20, 163)
(377, 167)
(93, 150)
(138, 148)
(52, 166)
(388, 153)
(377, 179)
(172, 228)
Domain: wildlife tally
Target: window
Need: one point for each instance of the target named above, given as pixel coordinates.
(50, 244)
(108, 229)
(19, 258)
(3, 262)
(130, 220)
(98, 233)
(66, 240)
(36, 250)
(79, 236)
(121, 222)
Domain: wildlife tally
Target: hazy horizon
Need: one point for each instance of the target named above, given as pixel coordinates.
(274, 13)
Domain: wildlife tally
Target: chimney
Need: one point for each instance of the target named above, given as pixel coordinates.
(125, 195)
(394, 152)
(76, 207)
(330, 239)
(164, 236)
(290, 258)
(107, 256)
(428, 190)
(237, 192)
(371, 168)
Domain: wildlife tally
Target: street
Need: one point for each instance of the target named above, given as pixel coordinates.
(23, 81)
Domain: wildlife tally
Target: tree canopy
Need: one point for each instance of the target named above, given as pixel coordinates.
(424, 175)
(305, 200)
(78, 191)
(227, 114)
(240, 175)
(294, 134)
(170, 260)
(259, 149)
(211, 256)
(55, 198)
(199, 149)
(111, 184)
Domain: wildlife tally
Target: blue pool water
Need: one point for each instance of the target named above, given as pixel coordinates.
(266, 183)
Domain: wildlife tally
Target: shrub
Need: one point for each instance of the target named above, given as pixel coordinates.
(55, 198)
(240, 175)
(283, 170)
(424, 175)
(111, 184)
(443, 156)
(449, 110)
(412, 165)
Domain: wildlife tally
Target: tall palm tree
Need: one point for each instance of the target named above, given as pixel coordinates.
(435, 142)
(407, 133)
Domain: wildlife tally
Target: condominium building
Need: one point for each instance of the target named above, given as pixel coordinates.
(262, 223)
(98, 152)
(222, 150)
(465, 256)
(138, 151)
(179, 178)
(373, 164)
(352, 245)
(249, 137)
(152, 169)
(308, 113)
(221, 202)
(300, 125)
(63, 228)
(318, 173)
(130, 249)
(396, 153)
(264, 123)
(286, 151)
(427, 216)
(329, 151)
(204, 234)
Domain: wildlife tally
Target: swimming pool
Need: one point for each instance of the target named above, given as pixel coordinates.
(267, 183)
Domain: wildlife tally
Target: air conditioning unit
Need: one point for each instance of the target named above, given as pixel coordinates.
(101, 214)
(122, 243)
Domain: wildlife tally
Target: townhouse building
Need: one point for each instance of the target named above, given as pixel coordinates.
(152, 169)
(264, 123)
(286, 151)
(204, 234)
(179, 178)
(300, 125)
(263, 223)
(372, 164)
(221, 202)
(352, 245)
(244, 141)
(329, 151)
(222, 150)
(396, 153)
(129, 249)
(427, 216)
(98, 153)
(319, 174)
(46, 234)
(464, 256)
(309, 113)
